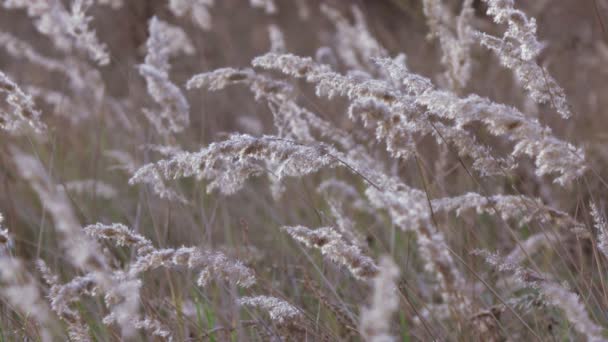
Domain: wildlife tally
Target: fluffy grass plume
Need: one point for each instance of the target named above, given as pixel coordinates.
(303, 170)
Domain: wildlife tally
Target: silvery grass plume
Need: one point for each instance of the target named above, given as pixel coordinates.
(341, 196)
(277, 39)
(344, 224)
(289, 118)
(551, 155)
(325, 55)
(553, 293)
(65, 105)
(408, 210)
(523, 276)
(334, 247)
(602, 229)
(82, 78)
(18, 48)
(228, 164)
(121, 298)
(393, 126)
(83, 253)
(6, 243)
(91, 187)
(355, 45)
(455, 36)
(20, 289)
(123, 301)
(66, 30)
(267, 5)
(62, 296)
(532, 245)
(573, 309)
(122, 160)
(340, 191)
(86, 85)
(508, 206)
(292, 121)
(121, 235)
(519, 207)
(375, 323)
(50, 17)
(379, 104)
(198, 10)
(114, 4)
(263, 87)
(518, 50)
(86, 39)
(211, 264)
(231, 164)
(283, 314)
(155, 327)
(21, 111)
(165, 41)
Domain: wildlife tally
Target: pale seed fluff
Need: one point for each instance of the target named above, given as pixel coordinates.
(66, 29)
(114, 4)
(375, 322)
(154, 327)
(121, 160)
(518, 49)
(173, 115)
(165, 41)
(574, 310)
(334, 247)
(198, 10)
(82, 252)
(455, 38)
(121, 235)
(280, 311)
(267, 5)
(602, 229)
(5, 239)
(78, 27)
(19, 288)
(377, 103)
(277, 39)
(210, 264)
(524, 277)
(91, 187)
(551, 155)
(532, 245)
(519, 207)
(228, 164)
(553, 293)
(51, 18)
(355, 44)
(18, 110)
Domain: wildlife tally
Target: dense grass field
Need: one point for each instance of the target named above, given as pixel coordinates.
(303, 170)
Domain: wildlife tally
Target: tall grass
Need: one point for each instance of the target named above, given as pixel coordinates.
(302, 170)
